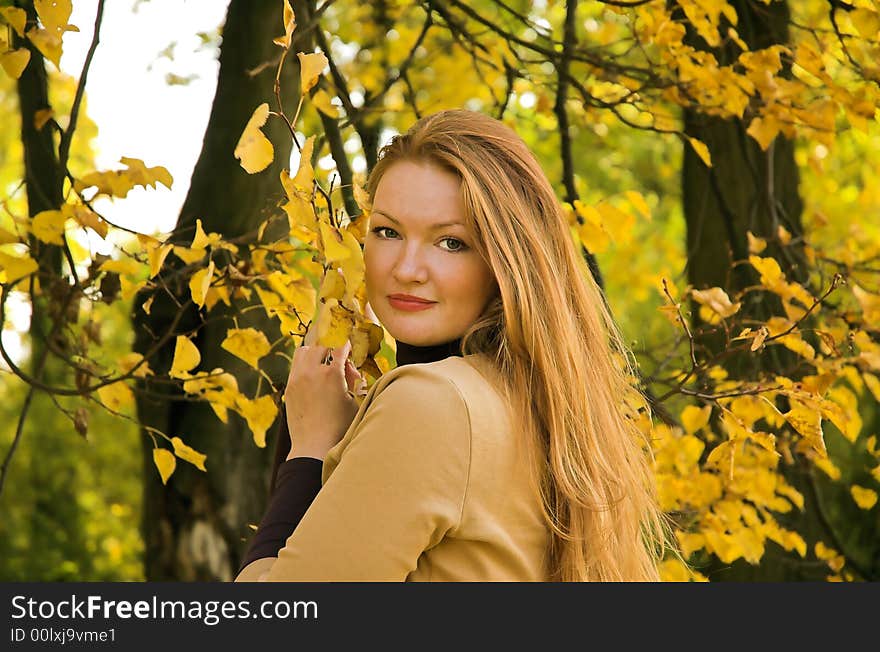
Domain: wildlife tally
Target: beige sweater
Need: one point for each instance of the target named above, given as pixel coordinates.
(428, 484)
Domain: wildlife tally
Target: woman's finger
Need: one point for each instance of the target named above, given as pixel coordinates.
(353, 378)
(340, 355)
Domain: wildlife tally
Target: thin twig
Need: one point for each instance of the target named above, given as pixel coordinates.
(67, 136)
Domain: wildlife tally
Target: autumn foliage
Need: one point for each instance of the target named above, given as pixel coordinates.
(724, 443)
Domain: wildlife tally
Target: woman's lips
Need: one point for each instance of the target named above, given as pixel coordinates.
(409, 306)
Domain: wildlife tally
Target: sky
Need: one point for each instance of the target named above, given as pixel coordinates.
(138, 113)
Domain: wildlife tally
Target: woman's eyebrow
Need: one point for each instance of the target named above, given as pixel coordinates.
(433, 227)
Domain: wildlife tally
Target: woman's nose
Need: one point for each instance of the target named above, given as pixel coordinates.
(410, 268)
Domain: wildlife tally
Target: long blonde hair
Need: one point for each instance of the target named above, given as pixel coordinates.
(556, 346)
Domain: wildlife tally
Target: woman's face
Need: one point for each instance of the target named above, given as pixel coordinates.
(417, 245)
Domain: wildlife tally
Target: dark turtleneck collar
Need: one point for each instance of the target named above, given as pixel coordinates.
(410, 354)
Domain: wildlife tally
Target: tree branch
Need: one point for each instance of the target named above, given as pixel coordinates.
(67, 136)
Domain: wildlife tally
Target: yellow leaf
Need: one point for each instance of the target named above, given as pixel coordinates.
(333, 286)
(129, 288)
(795, 496)
(672, 570)
(86, 217)
(748, 409)
(48, 226)
(199, 284)
(332, 240)
(701, 150)
(694, 418)
(310, 69)
(334, 324)
(828, 467)
(300, 217)
(869, 302)
(756, 244)
(165, 462)
(783, 235)
(637, 201)
(617, 223)
(362, 198)
(808, 422)
(733, 34)
(8, 237)
(15, 61)
(116, 396)
(721, 456)
(202, 240)
(717, 300)
(187, 255)
(690, 542)
(186, 357)
(259, 415)
(867, 22)
(122, 266)
(191, 455)
(289, 21)
(54, 14)
(592, 232)
(297, 293)
(157, 256)
(593, 237)
(17, 267)
(321, 100)
(366, 340)
(254, 150)
(764, 130)
(865, 498)
(117, 183)
(248, 344)
(768, 268)
(215, 294)
(47, 43)
(873, 384)
(834, 559)
(758, 340)
(80, 255)
(141, 175)
(15, 17)
(305, 174)
(843, 411)
(132, 360)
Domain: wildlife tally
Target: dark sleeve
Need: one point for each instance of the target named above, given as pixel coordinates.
(295, 483)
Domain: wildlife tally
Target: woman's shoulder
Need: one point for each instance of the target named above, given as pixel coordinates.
(414, 412)
(473, 376)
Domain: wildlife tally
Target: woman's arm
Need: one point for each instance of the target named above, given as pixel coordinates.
(398, 488)
(319, 427)
(299, 480)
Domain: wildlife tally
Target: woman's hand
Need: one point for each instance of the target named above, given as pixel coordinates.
(319, 399)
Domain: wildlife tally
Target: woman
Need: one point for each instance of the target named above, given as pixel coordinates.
(498, 448)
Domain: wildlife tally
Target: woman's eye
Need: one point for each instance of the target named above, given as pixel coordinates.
(378, 230)
(457, 245)
(386, 233)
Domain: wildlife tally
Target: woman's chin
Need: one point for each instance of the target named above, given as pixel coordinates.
(413, 336)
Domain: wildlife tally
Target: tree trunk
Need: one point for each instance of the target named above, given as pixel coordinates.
(748, 189)
(195, 528)
(44, 182)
